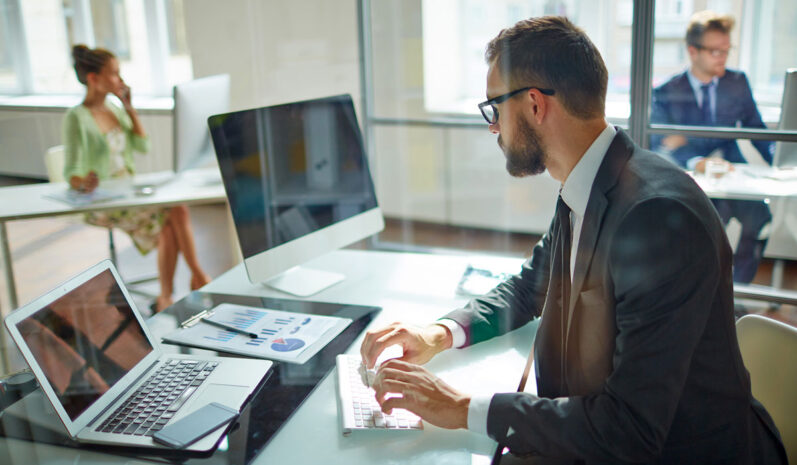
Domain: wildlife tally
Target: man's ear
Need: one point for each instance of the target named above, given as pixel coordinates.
(538, 105)
(692, 51)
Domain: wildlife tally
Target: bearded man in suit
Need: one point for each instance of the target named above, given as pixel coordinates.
(636, 357)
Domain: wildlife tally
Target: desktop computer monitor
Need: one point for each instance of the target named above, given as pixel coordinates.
(786, 152)
(782, 241)
(194, 102)
(298, 185)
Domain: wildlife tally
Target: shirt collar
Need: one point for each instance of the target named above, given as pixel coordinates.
(696, 83)
(576, 189)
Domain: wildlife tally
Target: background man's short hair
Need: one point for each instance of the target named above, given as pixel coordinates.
(551, 52)
(704, 21)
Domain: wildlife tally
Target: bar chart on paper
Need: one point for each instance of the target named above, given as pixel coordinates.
(286, 336)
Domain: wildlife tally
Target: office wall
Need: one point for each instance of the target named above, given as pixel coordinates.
(27, 133)
(276, 51)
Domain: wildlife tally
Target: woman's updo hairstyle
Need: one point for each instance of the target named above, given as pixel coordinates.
(89, 60)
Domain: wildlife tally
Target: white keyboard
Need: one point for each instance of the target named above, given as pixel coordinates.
(357, 403)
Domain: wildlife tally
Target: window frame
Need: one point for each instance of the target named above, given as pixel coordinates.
(639, 127)
(18, 48)
(156, 24)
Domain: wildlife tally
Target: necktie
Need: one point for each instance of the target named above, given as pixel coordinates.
(563, 212)
(565, 242)
(705, 108)
(554, 325)
(550, 340)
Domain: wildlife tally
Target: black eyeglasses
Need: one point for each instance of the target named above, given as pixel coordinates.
(489, 109)
(715, 52)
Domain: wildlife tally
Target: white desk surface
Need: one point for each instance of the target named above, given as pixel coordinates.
(409, 287)
(189, 187)
(750, 182)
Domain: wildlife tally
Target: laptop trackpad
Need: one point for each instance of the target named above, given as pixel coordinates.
(226, 394)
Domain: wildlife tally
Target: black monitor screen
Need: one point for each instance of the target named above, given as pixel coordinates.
(85, 341)
(292, 169)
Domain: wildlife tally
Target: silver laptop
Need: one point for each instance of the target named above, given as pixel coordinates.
(105, 375)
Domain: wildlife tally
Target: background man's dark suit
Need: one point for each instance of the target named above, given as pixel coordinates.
(674, 102)
(653, 372)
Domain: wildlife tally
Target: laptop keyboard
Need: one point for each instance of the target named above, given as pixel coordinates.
(155, 402)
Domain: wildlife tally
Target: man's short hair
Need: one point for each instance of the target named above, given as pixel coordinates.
(704, 21)
(551, 52)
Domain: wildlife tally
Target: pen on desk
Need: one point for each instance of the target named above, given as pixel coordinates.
(229, 328)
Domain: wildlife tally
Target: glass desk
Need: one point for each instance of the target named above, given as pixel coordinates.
(280, 393)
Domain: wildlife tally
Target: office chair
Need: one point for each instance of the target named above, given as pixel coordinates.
(769, 351)
(54, 160)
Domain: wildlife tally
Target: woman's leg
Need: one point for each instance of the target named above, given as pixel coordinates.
(167, 263)
(181, 222)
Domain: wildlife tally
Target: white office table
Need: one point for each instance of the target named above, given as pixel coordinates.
(29, 201)
(410, 287)
(755, 182)
(750, 182)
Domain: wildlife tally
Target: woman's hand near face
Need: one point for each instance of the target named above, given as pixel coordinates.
(125, 95)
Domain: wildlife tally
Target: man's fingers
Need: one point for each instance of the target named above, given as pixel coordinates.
(368, 344)
(398, 364)
(390, 386)
(397, 381)
(376, 341)
(396, 402)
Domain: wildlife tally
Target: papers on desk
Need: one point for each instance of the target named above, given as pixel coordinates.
(79, 199)
(783, 174)
(285, 336)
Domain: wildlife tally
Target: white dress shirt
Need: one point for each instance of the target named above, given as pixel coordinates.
(575, 193)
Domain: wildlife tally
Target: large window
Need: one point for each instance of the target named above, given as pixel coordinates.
(435, 163)
(147, 36)
(455, 33)
(10, 51)
(762, 42)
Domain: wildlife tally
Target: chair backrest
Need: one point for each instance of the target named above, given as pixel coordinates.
(54, 160)
(769, 350)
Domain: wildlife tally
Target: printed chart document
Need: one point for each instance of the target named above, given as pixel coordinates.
(79, 199)
(285, 336)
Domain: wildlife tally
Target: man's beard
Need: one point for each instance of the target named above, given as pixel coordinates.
(527, 159)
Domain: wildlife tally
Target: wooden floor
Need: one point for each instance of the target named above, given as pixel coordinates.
(48, 251)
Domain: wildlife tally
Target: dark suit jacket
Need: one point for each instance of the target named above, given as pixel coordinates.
(674, 102)
(653, 372)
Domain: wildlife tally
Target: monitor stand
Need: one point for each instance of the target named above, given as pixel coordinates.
(304, 282)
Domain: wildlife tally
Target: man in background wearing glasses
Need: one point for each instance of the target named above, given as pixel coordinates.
(636, 358)
(708, 94)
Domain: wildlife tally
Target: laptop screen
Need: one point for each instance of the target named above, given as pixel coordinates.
(85, 341)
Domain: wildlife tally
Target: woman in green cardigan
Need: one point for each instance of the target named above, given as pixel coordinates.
(99, 140)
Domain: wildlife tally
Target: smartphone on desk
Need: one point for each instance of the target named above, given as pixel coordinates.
(195, 425)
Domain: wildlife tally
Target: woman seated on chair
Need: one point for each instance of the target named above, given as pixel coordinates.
(99, 140)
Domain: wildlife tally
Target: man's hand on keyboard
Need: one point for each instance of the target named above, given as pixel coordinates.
(419, 344)
(422, 393)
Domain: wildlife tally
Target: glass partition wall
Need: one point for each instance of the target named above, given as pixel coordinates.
(439, 173)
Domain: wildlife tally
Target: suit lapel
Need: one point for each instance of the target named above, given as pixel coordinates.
(684, 96)
(586, 246)
(613, 162)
